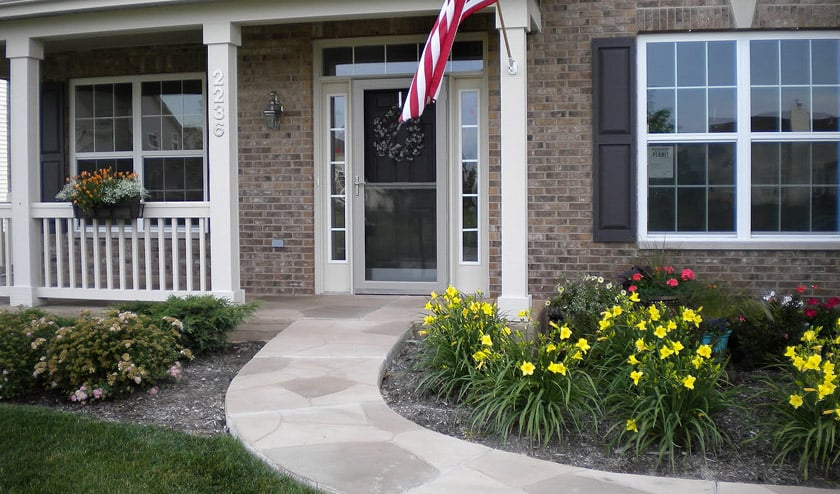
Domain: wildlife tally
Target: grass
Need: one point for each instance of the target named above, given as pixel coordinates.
(44, 451)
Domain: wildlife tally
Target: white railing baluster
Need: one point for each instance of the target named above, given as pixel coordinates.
(59, 252)
(121, 252)
(161, 254)
(135, 260)
(7, 241)
(176, 258)
(94, 240)
(45, 229)
(147, 247)
(83, 255)
(71, 252)
(202, 254)
(109, 256)
(188, 254)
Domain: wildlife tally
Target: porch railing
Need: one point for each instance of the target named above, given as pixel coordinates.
(165, 252)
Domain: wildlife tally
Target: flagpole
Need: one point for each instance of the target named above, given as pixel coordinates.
(511, 62)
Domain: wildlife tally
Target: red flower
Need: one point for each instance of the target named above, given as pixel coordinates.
(800, 289)
(812, 302)
(832, 303)
(687, 274)
(672, 282)
(668, 269)
(810, 313)
(636, 276)
(632, 288)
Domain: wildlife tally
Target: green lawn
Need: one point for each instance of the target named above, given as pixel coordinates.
(43, 451)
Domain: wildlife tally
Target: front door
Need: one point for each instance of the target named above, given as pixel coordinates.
(398, 194)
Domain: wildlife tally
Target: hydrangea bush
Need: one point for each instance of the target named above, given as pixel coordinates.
(22, 335)
(103, 356)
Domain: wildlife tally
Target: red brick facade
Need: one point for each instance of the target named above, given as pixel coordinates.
(560, 179)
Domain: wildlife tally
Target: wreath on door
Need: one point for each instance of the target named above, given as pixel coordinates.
(400, 143)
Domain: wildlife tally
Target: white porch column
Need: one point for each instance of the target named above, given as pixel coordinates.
(222, 40)
(514, 158)
(25, 57)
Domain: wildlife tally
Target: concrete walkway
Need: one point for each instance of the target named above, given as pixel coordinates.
(309, 404)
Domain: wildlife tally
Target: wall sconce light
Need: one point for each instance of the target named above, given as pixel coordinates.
(273, 111)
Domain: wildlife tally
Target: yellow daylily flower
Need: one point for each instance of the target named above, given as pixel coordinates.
(565, 332)
(632, 360)
(813, 362)
(451, 291)
(527, 368)
(557, 368)
(705, 351)
(422, 332)
(654, 313)
(641, 325)
(617, 310)
(429, 320)
(429, 305)
(604, 324)
(796, 401)
(688, 381)
(486, 340)
(697, 361)
(433, 295)
(635, 376)
(634, 297)
(809, 336)
(689, 315)
(665, 352)
(660, 332)
(583, 345)
(550, 347)
(677, 347)
(631, 425)
(641, 346)
(824, 390)
(790, 352)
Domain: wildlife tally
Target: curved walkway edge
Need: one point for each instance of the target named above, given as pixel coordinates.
(309, 405)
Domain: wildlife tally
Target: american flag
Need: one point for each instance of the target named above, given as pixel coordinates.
(425, 86)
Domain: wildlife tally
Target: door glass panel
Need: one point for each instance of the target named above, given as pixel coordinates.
(400, 234)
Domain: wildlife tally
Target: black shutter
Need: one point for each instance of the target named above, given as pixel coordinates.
(613, 139)
(52, 140)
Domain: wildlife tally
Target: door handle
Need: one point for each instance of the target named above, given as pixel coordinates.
(357, 182)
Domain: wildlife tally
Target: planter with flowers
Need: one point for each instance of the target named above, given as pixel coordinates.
(105, 195)
(659, 283)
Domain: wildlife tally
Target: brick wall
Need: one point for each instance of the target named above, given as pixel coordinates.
(559, 168)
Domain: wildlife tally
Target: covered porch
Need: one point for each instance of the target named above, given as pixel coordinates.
(193, 246)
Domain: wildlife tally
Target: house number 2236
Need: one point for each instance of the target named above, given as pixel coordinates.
(217, 109)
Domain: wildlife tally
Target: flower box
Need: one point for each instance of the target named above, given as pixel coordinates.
(127, 209)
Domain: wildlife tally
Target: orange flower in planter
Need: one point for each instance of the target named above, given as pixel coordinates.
(103, 187)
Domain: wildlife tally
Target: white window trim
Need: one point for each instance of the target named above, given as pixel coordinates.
(742, 238)
(137, 154)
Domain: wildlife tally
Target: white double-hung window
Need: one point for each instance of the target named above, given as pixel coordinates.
(739, 140)
(152, 125)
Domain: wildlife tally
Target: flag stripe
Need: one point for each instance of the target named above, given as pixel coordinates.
(425, 86)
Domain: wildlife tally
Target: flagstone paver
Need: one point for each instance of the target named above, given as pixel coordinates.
(309, 404)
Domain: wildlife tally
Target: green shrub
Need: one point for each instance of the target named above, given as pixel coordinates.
(453, 335)
(535, 386)
(579, 303)
(22, 336)
(118, 353)
(207, 320)
(808, 403)
(661, 388)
